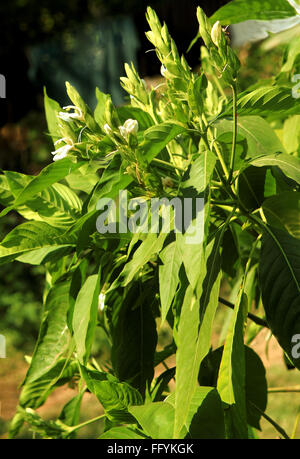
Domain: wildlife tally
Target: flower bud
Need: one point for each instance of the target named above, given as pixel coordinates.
(132, 126)
(216, 33)
(202, 19)
(163, 70)
(167, 182)
(107, 129)
(129, 127)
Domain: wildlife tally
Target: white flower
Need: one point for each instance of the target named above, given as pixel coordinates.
(62, 152)
(129, 127)
(107, 129)
(101, 301)
(76, 115)
(163, 70)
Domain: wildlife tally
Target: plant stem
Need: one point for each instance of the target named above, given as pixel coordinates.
(293, 434)
(234, 132)
(274, 390)
(219, 86)
(167, 165)
(218, 152)
(271, 421)
(90, 421)
(251, 316)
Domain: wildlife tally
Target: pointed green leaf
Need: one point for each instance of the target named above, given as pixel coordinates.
(54, 336)
(231, 378)
(85, 316)
(244, 10)
(121, 433)
(290, 165)
(157, 137)
(283, 211)
(279, 273)
(156, 419)
(168, 275)
(37, 239)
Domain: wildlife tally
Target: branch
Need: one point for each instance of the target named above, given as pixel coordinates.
(251, 316)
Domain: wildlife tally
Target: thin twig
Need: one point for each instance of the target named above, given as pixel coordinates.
(271, 421)
(251, 316)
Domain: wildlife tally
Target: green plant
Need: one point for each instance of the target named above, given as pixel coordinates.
(195, 137)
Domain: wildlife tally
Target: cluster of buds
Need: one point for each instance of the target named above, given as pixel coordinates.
(174, 68)
(222, 55)
(135, 86)
(122, 135)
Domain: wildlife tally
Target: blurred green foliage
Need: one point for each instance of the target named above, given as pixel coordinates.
(20, 299)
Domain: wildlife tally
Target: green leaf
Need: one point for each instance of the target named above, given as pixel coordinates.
(15, 425)
(283, 211)
(255, 376)
(115, 396)
(37, 241)
(243, 10)
(143, 118)
(290, 128)
(57, 205)
(51, 109)
(195, 328)
(121, 433)
(83, 179)
(35, 393)
(78, 102)
(251, 186)
(290, 165)
(205, 419)
(156, 419)
(200, 172)
(70, 413)
(46, 429)
(279, 273)
(77, 281)
(111, 182)
(99, 113)
(169, 275)
(161, 384)
(196, 94)
(157, 137)
(85, 316)
(133, 328)
(261, 139)
(291, 55)
(150, 247)
(231, 377)
(198, 178)
(54, 336)
(48, 176)
(271, 101)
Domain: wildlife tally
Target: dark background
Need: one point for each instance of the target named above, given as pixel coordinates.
(31, 24)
